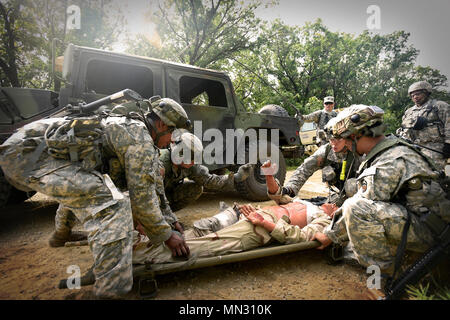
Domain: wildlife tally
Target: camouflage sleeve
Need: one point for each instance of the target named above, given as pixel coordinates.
(337, 234)
(313, 117)
(307, 169)
(383, 179)
(278, 197)
(201, 175)
(401, 131)
(135, 149)
(287, 233)
(444, 115)
(166, 211)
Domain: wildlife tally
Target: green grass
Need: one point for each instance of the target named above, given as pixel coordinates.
(423, 292)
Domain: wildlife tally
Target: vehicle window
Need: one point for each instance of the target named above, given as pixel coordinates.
(205, 92)
(308, 126)
(107, 77)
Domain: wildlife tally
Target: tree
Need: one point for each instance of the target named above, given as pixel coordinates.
(28, 28)
(201, 33)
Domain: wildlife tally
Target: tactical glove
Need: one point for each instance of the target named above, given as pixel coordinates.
(446, 150)
(243, 172)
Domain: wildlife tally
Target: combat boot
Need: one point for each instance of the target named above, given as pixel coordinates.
(58, 239)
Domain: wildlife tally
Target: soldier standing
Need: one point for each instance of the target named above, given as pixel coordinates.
(180, 192)
(427, 123)
(321, 117)
(397, 187)
(64, 158)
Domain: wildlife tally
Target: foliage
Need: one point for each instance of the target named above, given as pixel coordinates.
(27, 29)
(269, 63)
(423, 292)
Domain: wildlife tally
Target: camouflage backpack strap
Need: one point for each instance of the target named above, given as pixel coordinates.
(380, 147)
(78, 140)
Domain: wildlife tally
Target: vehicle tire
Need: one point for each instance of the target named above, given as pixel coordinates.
(254, 187)
(19, 196)
(275, 110)
(11, 195)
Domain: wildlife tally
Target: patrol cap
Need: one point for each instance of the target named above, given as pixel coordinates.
(170, 112)
(328, 99)
(420, 85)
(364, 119)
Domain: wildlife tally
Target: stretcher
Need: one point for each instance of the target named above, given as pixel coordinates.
(145, 275)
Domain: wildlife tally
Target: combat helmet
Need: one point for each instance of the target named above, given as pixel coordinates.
(364, 119)
(170, 112)
(420, 85)
(185, 146)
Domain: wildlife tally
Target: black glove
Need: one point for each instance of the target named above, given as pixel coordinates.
(288, 191)
(446, 150)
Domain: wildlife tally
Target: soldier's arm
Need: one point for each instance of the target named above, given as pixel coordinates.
(201, 175)
(444, 115)
(313, 117)
(134, 148)
(307, 169)
(287, 233)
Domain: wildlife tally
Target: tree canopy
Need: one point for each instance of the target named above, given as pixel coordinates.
(269, 63)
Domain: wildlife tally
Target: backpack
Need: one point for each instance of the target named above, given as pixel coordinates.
(78, 140)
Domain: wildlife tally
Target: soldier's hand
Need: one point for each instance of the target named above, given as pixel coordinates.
(323, 239)
(178, 227)
(177, 245)
(243, 172)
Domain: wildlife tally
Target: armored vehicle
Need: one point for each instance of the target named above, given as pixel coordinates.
(207, 96)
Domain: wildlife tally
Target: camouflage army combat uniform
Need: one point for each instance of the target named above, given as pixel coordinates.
(80, 187)
(181, 192)
(208, 238)
(320, 118)
(434, 134)
(393, 180)
(427, 124)
(337, 168)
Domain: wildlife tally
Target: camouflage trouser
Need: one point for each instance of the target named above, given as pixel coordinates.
(65, 220)
(238, 237)
(183, 194)
(375, 230)
(104, 211)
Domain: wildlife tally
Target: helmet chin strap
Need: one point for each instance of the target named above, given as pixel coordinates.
(158, 134)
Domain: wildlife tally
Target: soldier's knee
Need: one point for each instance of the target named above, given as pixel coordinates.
(357, 207)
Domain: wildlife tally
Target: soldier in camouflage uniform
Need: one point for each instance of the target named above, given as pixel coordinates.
(396, 183)
(180, 192)
(321, 117)
(338, 166)
(63, 158)
(427, 123)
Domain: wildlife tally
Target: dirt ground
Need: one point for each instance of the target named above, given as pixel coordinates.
(30, 269)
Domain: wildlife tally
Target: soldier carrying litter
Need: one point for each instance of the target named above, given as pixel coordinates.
(66, 159)
(427, 123)
(180, 192)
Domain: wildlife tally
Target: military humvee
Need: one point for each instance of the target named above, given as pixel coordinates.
(207, 96)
